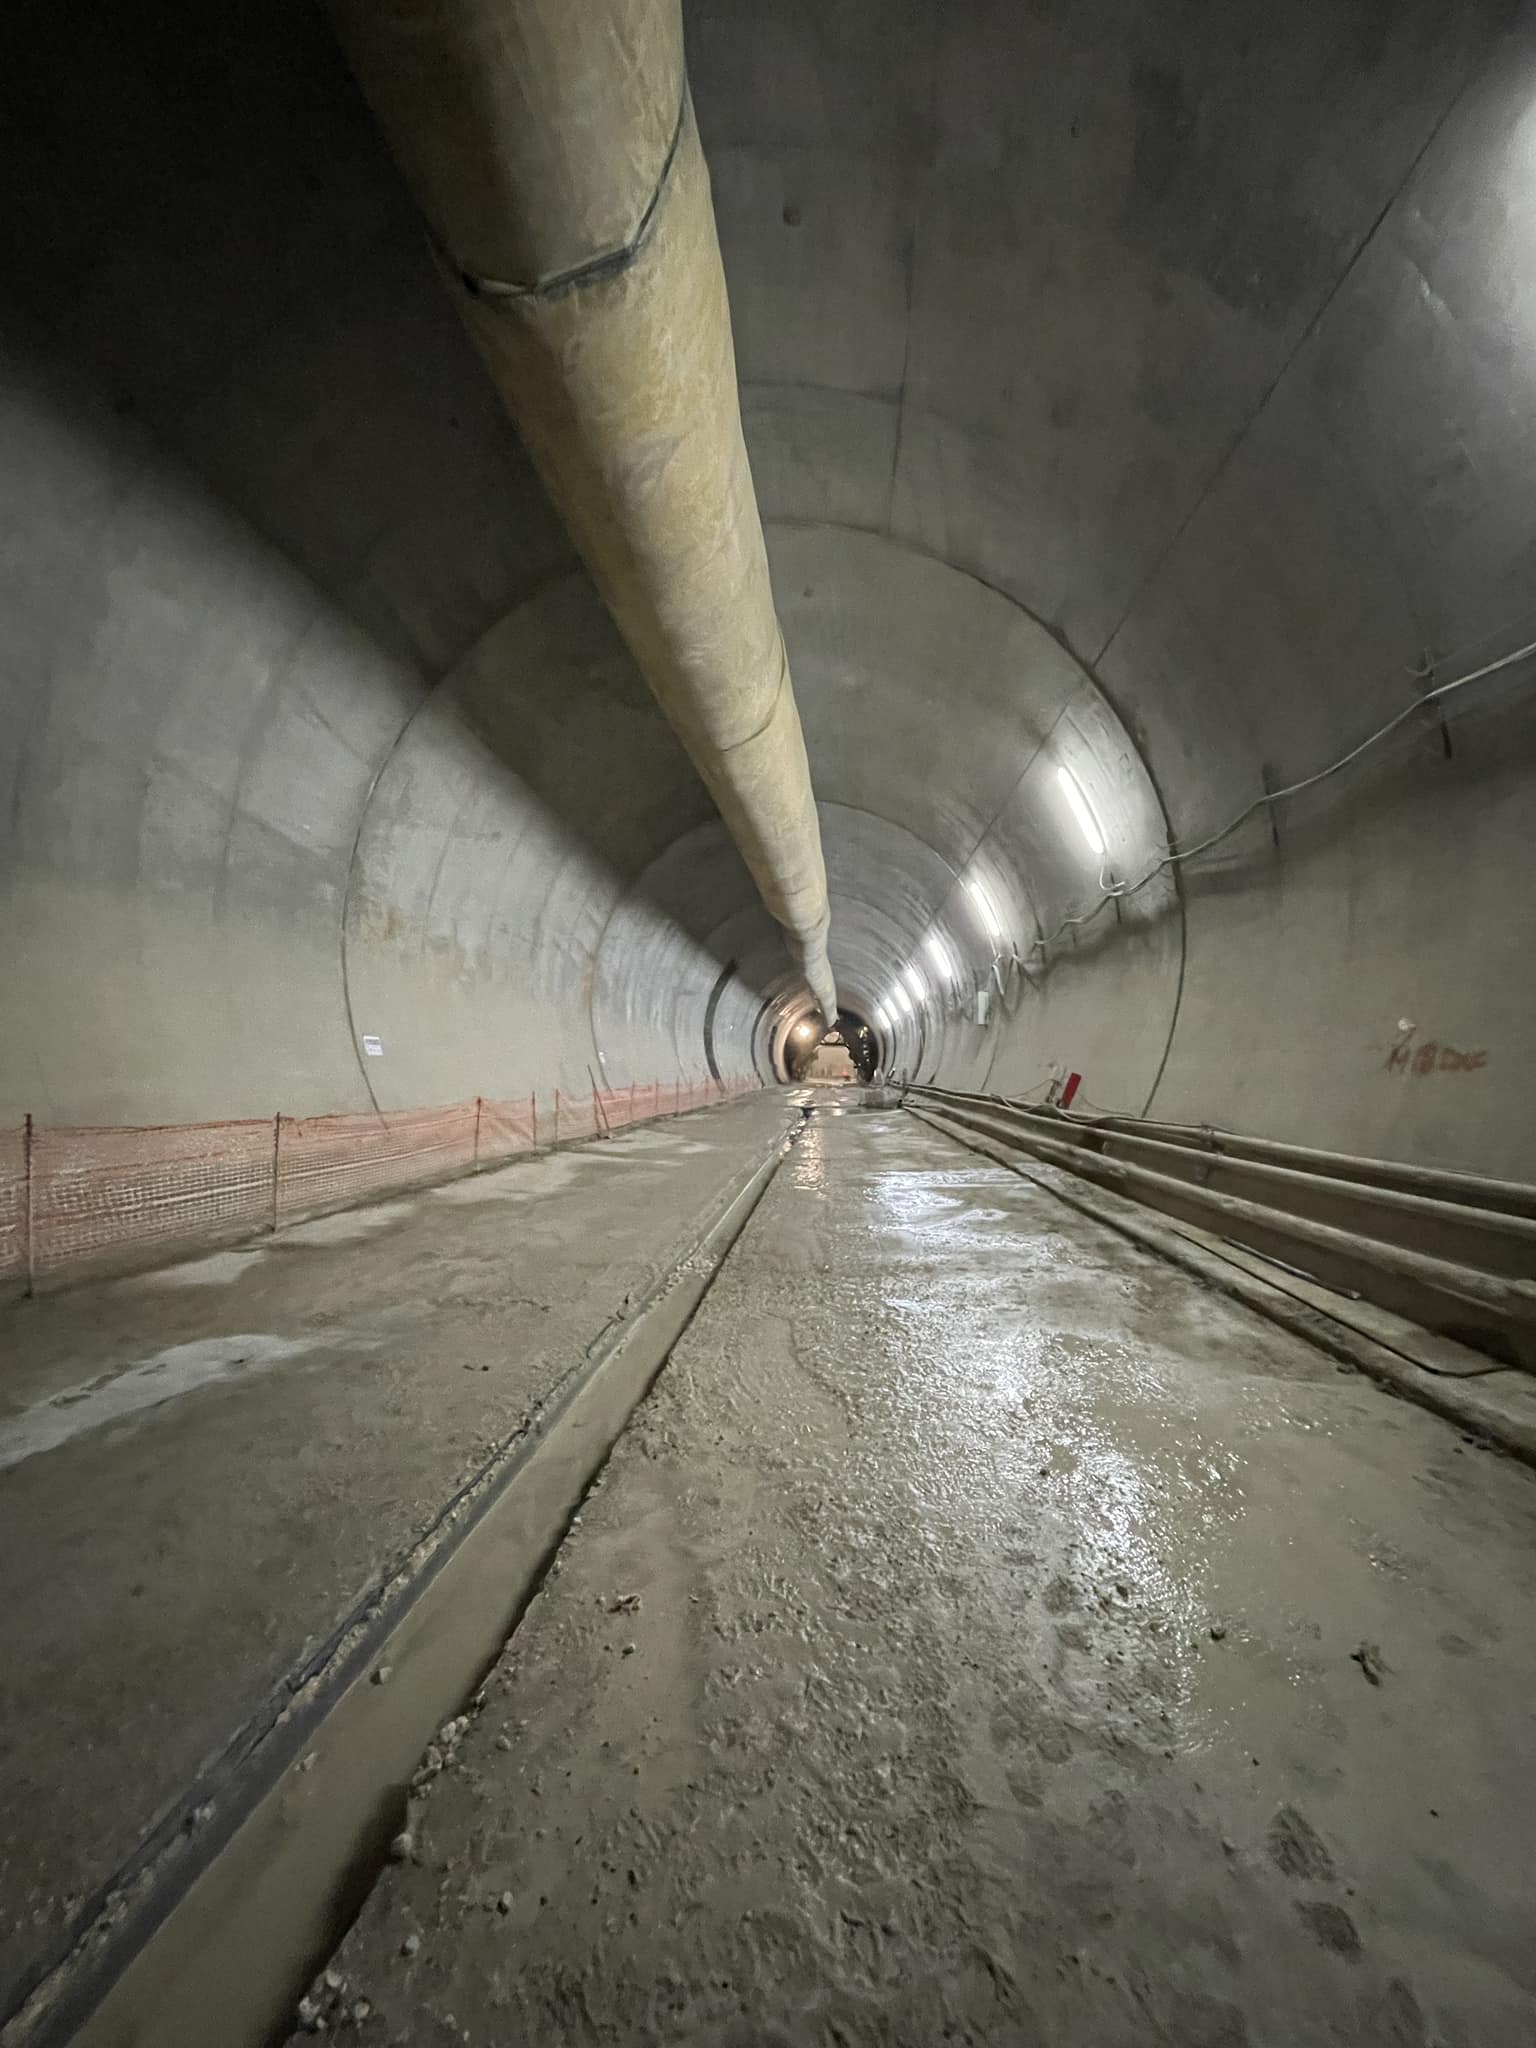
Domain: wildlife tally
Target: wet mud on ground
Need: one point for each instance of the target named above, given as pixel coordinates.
(985, 1633)
(203, 1468)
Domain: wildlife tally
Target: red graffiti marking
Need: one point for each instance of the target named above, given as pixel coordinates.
(1432, 1058)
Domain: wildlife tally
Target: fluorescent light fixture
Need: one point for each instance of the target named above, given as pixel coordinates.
(915, 982)
(897, 1001)
(983, 903)
(882, 1019)
(1077, 803)
(938, 953)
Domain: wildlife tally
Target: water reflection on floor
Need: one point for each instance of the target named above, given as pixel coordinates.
(987, 1668)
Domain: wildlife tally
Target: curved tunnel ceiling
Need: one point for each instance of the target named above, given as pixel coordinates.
(1133, 393)
(537, 847)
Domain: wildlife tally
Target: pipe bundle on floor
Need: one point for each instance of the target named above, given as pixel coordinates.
(552, 147)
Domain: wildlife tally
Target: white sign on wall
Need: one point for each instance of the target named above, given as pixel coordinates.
(374, 1047)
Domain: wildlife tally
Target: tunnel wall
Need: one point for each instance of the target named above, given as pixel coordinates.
(1211, 347)
(196, 732)
(1373, 535)
(273, 780)
(1120, 397)
(243, 837)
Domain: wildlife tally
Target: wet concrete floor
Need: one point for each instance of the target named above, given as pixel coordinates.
(204, 1468)
(986, 1633)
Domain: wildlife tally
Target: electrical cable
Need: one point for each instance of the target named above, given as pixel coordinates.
(1176, 857)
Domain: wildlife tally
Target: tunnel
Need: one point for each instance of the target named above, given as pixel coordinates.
(849, 1049)
(662, 1384)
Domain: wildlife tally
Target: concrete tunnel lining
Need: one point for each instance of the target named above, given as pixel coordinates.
(1048, 445)
(1133, 394)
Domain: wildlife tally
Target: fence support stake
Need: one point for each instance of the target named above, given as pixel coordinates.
(599, 1113)
(26, 1153)
(277, 1147)
(476, 1161)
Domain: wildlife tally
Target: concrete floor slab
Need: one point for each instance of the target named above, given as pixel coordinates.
(208, 1467)
(988, 1633)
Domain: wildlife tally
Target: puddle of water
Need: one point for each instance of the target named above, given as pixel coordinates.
(490, 1188)
(347, 1228)
(219, 1269)
(149, 1384)
(521, 1180)
(630, 1146)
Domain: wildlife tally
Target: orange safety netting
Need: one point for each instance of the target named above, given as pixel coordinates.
(14, 1144)
(325, 1162)
(507, 1128)
(104, 1189)
(576, 1116)
(73, 1195)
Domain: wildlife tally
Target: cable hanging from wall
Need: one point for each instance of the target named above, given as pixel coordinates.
(1012, 967)
(1175, 857)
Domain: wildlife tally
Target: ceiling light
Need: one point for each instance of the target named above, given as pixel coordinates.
(915, 982)
(983, 903)
(938, 953)
(1077, 803)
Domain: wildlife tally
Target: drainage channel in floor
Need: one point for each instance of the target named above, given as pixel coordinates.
(213, 1930)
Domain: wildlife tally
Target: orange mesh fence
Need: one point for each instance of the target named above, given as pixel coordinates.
(615, 1107)
(86, 1194)
(13, 1201)
(507, 1128)
(327, 1161)
(576, 1116)
(97, 1191)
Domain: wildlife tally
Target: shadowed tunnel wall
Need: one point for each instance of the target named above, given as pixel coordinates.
(1138, 390)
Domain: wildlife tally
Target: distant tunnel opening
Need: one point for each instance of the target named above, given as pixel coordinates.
(850, 1051)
